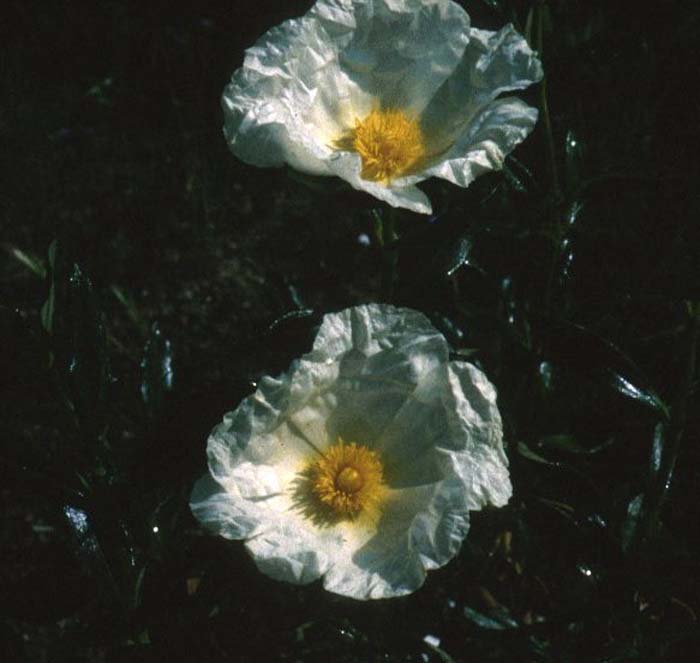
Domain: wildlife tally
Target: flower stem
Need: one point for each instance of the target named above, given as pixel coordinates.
(544, 105)
(385, 230)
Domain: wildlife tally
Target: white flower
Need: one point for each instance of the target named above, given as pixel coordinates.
(361, 463)
(384, 94)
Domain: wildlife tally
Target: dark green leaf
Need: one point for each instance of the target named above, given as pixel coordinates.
(30, 261)
(498, 620)
(47, 310)
(80, 349)
(574, 154)
(518, 176)
(157, 372)
(436, 251)
(657, 450)
(73, 319)
(644, 396)
(630, 526)
(526, 452)
(588, 354)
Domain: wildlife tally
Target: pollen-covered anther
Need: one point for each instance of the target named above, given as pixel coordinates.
(348, 479)
(389, 142)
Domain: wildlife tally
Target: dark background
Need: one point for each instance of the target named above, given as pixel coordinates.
(147, 277)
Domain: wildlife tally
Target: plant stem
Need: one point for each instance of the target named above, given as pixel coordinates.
(544, 105)
(385, 230)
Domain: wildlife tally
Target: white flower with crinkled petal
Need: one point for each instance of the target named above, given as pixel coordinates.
(384, 94)
(361, 463)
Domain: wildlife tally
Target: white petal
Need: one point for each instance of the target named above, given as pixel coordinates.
(382, 354)
(370, 328)
(476, 453)
(420, 529)
(289, 553)
(389, 359)
(267, 102)
(428, 38)
(221, 511)
(410, 442)
(348, 166)
(493, 63)
(485, 141)
(262, 430)
(439, 528)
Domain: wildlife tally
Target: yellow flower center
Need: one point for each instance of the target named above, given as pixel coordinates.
(389, 142)
(348, 479)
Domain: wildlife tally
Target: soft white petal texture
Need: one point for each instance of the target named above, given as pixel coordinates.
(380, 376)
(306, 82)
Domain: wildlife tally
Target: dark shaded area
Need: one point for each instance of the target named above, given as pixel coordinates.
(148, 277)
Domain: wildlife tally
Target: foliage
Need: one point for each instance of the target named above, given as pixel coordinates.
(142, 263)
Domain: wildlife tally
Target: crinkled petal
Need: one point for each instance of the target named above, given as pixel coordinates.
(421, 528)
(289, 553)
(370, 328)
(348, 166)
(266, 103)
(276, 426)
(428, 38)
(476, 431)
(493, 63)
(222, 511)
(389, 351)
(485, 141)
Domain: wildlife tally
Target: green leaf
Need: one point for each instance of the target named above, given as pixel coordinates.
(49, 307)
(657, 450)
(127, 301)
(78, 342)
(517, 175)
(526, 452)
(88, 549)
(30, 261)
(436, 251)
(587, 354)
(630, 526)
(498, 620)
(157, 371)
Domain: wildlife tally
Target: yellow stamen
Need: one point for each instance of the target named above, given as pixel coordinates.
(348, 479)
(390, 143)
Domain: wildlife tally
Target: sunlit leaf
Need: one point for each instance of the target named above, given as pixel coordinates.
(526, 452)
(657, 450)
(518, 175)
(497, 620)
(625, 387)
(30, 261)
(632, 520)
